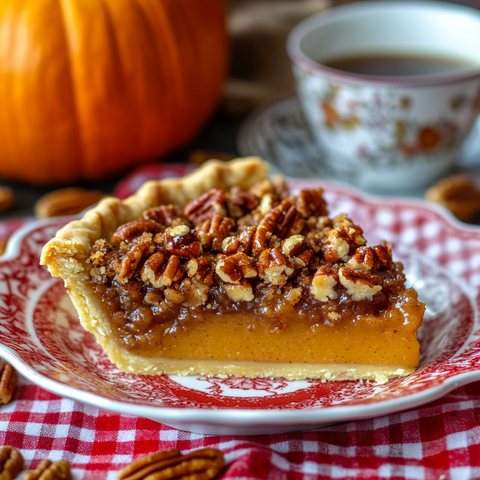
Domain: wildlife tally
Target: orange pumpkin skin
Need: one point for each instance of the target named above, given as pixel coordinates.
(91, 87)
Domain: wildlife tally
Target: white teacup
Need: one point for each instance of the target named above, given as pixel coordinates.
(388, 133)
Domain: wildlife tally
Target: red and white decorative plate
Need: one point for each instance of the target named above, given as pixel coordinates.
(41, 336)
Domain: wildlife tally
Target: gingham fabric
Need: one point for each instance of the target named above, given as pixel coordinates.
(440, 440)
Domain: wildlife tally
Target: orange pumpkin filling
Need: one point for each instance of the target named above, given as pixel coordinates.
(258, 278)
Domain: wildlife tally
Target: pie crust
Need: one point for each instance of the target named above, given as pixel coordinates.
(67, 256)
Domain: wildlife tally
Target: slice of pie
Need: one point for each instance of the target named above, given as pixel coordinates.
(225, 272)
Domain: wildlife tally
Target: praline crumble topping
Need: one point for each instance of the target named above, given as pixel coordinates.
(265, 251)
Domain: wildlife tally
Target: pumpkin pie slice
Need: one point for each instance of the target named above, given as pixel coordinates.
(226, 272)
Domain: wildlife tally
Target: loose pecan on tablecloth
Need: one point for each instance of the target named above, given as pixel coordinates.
(11, 463)
(204, 464)
(46, 470)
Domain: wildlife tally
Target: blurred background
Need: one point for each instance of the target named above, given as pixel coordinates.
(258, 73)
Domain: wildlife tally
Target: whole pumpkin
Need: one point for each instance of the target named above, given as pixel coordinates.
(90, 87)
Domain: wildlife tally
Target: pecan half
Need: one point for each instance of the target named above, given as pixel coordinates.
(234, 268)
(201, 270)
(239, 203)
(323, 284)
(129, 231)
(213, 231)
(260, 241)
(131, 260)
(6, 198)
(11, 462)
(162, 272)
(66, 201)
(8, 381)
(274, 267)
(374, 258)
(204, 464)
(297, 250)
(47, 470)
(164, 214)
(359, 285)
(311, 203)
(182, 241)
(206, 206)
(283, 220)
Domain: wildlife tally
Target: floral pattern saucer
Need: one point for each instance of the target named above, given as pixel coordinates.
(42, 338)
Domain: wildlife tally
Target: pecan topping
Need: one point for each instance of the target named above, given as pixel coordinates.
(213, 231)
(239, 203)
(204, 464)
(8, 381)
(267, 203)
(239, 292)
(342, 240)
(161, 272)
(206, 206)
(234, 268)
(200, 269)
(311, 203)
(283, 221)
(297, 250)
(273, 267)
(47, 470)
(374, 258)
(134, 229)
(260, 189)
(359, 285)
(182, 241)
(131, 260)
(164, 214)
(323, 284)
(11, 462)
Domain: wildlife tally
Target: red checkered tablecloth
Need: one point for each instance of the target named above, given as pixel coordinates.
(440, 440)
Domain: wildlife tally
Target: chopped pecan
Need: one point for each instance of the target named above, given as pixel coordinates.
(267, 202)
(238, 292)
(47, 470)
(162, 272)
(174, 296)
(239, 203)
(359, 285)
(131, 230)
(274, 267)
(242, 243)
(195, 292)
(374, 258)
(234, 268)
(283, 221)
(262, 188)
(206, 206)
(182, 241)
(342, 240)
(11, 462)
(311, 203)
(131, 260)
(200, 269)
(204, 464)
(8, 381)
(323, 284)
(164, 214)
(297, 250)
(213, 231)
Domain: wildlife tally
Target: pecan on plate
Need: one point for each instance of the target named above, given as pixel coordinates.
(204, 464)
(165, 214)
(359, 285)
(283, 221)
(11, 463)
(311, 203)
(6, 198)
(160, 271)
(374, 258)
(297, 250)
(274, 267)
(66, 201)
(206, 206)
(182, 241)
(213, 231)
(46, 470)
(129, 231)
(8, 381)
(323, 284)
